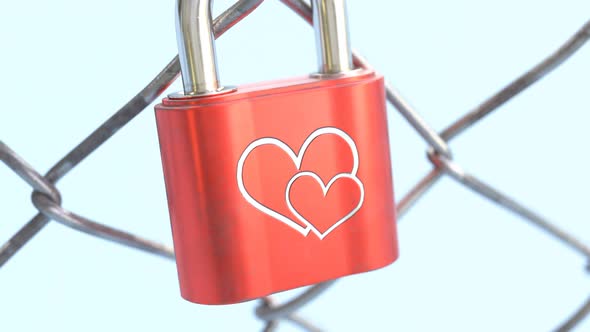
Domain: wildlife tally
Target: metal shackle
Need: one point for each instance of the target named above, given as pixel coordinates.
(330, 23)
(196, 47)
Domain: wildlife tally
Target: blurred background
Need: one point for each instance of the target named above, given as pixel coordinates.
(465, 264)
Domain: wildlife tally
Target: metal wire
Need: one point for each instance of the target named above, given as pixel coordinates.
(576, 318)
(138, 103)
(473, 183)
(520, 84)
(270, 313)
(47, 199)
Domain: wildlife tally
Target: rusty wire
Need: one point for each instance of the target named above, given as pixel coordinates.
(47, 199)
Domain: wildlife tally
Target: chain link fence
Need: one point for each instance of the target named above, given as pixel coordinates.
(47, 199)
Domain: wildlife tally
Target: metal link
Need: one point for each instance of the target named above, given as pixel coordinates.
(46, 198)
(35, 180)
(89, 145)
(138, 103)
(417, 122)
(27, 173)
(55, 212)
(487, 191)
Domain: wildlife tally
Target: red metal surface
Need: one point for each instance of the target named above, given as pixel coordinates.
(278, 185)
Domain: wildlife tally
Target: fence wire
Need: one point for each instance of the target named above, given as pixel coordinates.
(47, 199)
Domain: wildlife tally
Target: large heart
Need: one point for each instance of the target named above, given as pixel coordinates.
(304, 226)
(339, 200)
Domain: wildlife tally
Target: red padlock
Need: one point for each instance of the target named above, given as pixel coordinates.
(275, 185)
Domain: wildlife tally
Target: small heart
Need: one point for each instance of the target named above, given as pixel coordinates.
(327, 156)
(324, 207)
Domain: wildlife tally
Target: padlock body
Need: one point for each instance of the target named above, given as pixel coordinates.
(278, 185)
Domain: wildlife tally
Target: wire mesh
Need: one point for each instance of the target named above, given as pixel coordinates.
(47, 199)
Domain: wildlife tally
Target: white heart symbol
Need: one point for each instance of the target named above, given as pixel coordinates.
(297, 159)
(325, 189)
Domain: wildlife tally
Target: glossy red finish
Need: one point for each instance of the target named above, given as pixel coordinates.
(278, 185)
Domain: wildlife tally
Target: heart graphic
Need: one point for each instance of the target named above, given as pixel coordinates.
(325, 188)
(297, 159)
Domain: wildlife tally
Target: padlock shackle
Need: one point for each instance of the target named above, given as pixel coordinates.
(196, 49)
(332, 37)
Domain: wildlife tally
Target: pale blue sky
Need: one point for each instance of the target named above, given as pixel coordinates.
(465, 265)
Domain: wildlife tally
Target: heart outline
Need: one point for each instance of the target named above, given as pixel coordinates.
(325, 189)
(297, 159)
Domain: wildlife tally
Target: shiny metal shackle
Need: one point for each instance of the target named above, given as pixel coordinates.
(196, 47)
(330, 23)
